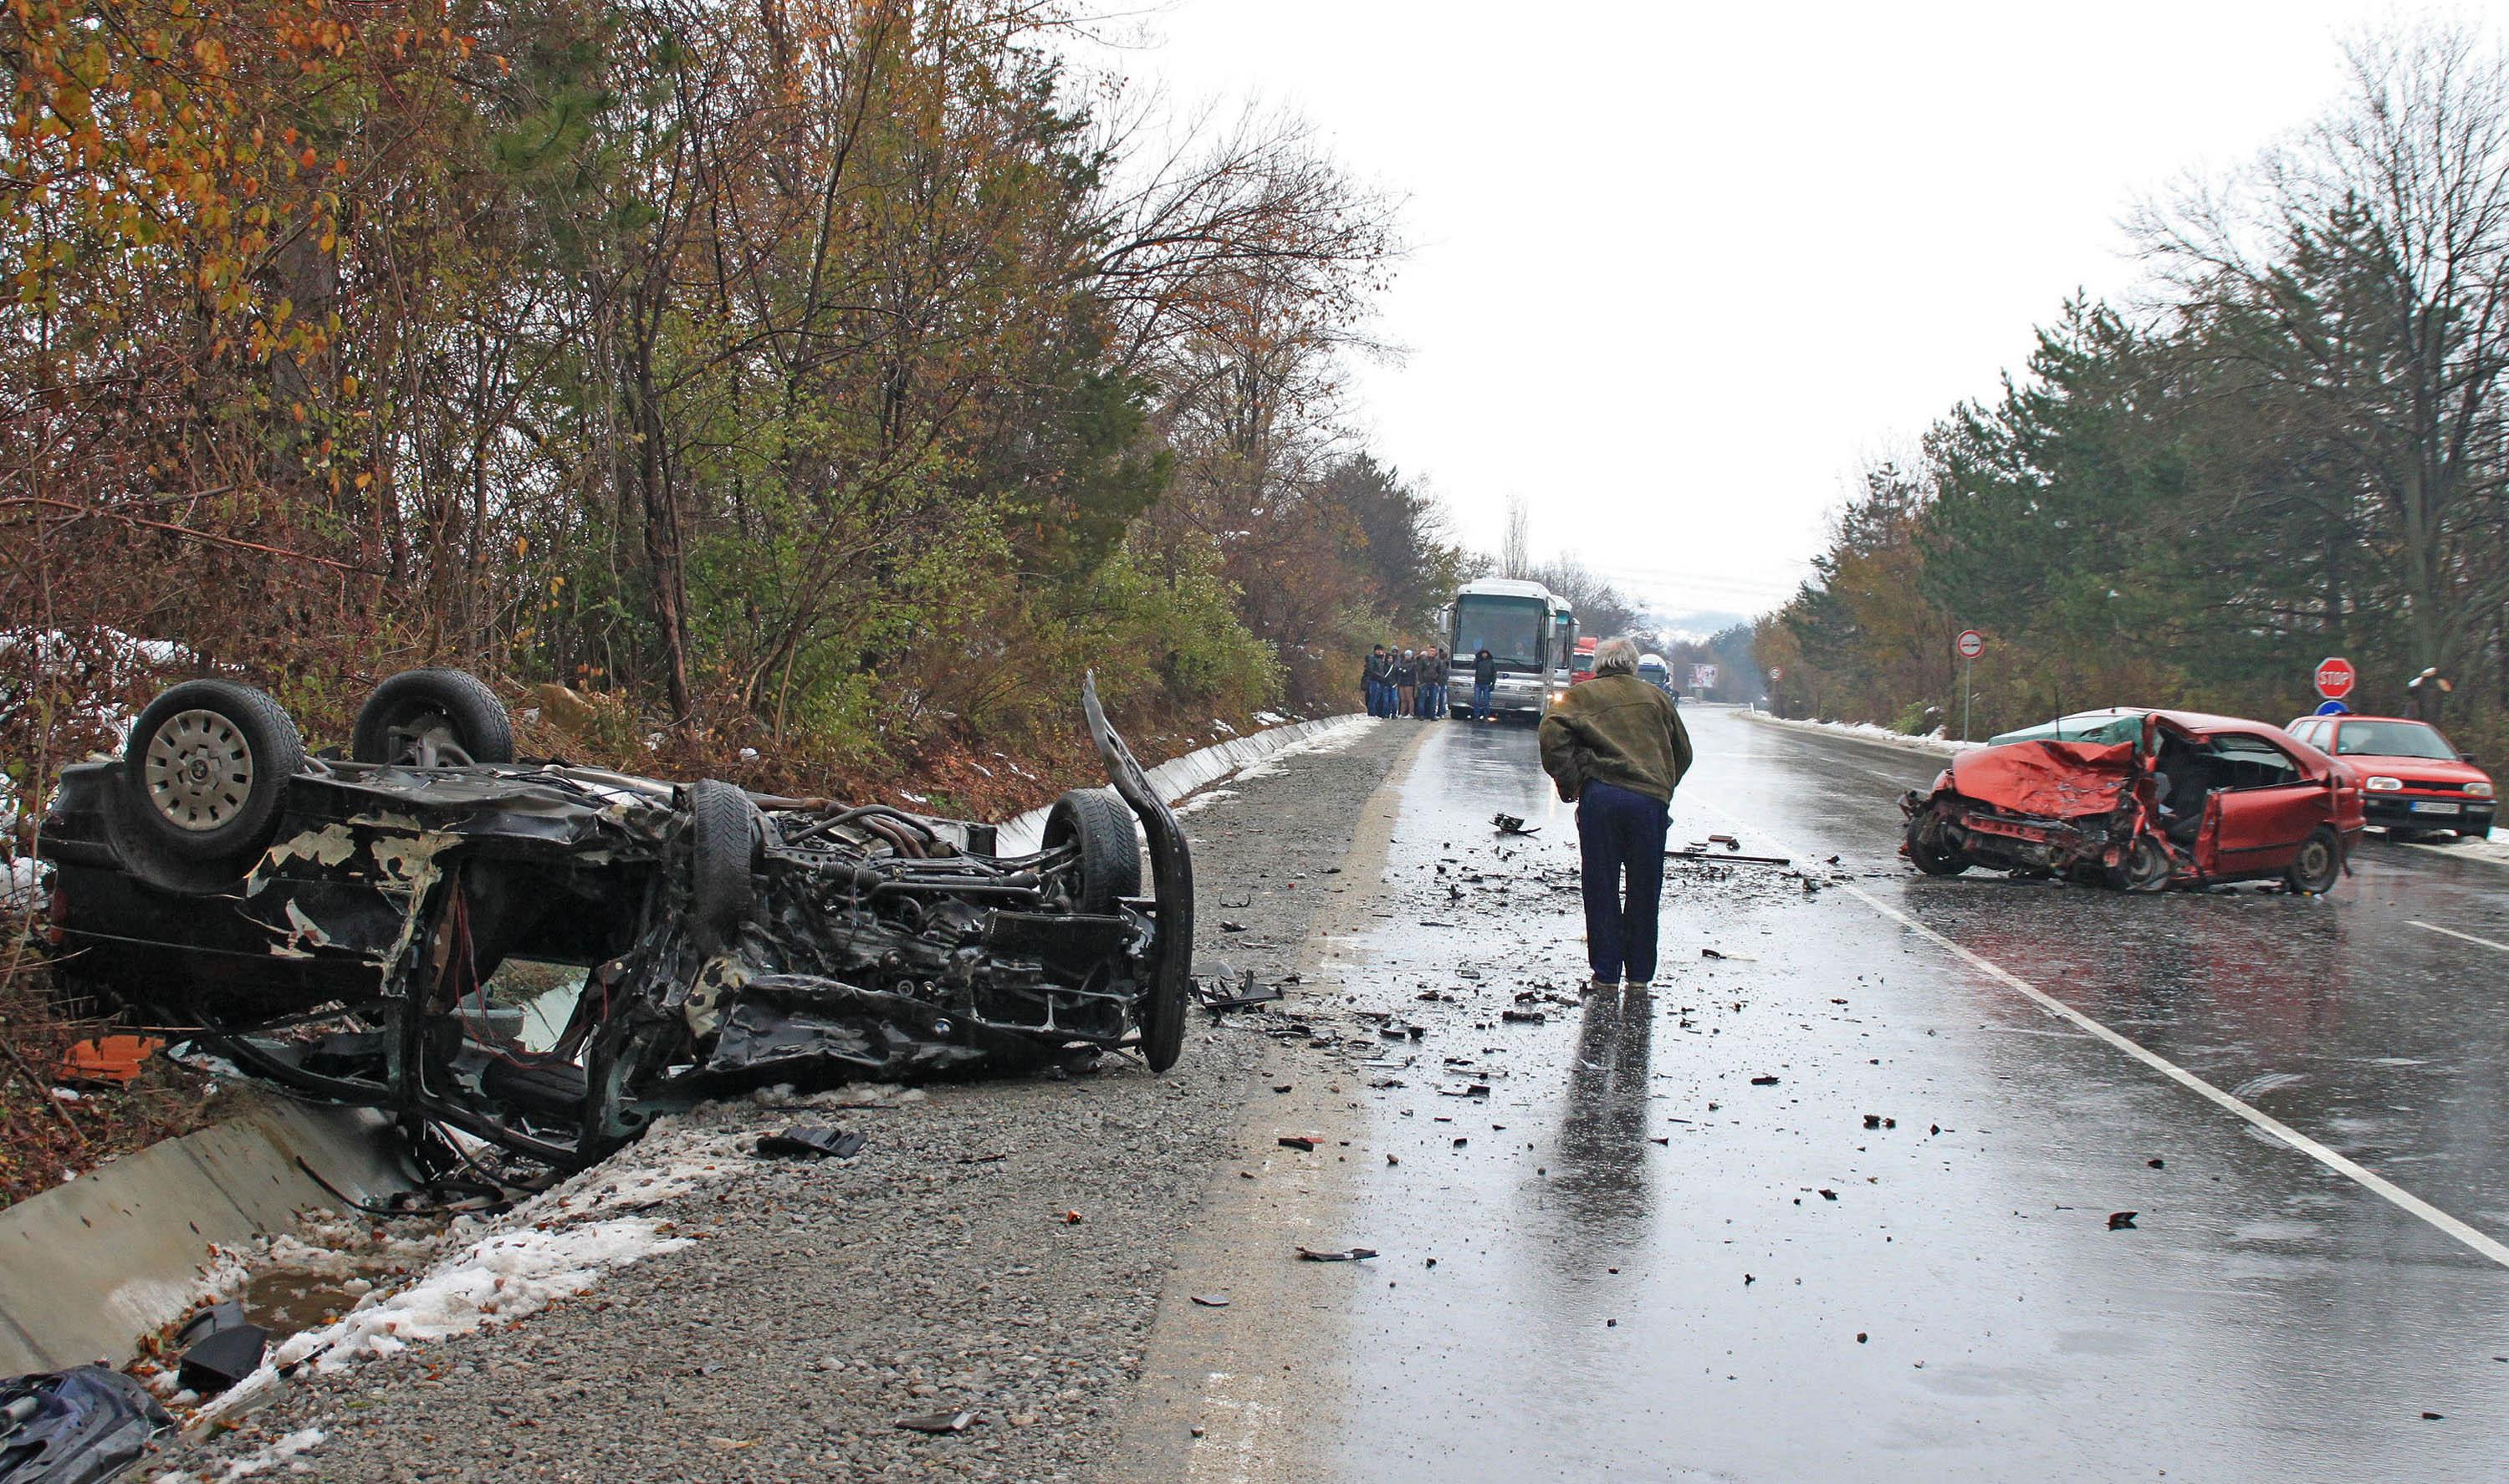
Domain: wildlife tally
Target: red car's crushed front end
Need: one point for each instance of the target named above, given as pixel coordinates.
(2197, 800)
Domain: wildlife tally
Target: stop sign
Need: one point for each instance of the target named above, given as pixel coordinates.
(2335, 676)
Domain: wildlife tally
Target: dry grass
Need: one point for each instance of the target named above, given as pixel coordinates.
(45, 1140)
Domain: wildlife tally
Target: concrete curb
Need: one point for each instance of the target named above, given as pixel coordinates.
(1180, 776)
(89, 1267)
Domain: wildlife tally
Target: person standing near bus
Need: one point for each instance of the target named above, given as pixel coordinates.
(1406, 675)
(1616, 748)
(1375, 678)
(1484, 682)
(1433, 685)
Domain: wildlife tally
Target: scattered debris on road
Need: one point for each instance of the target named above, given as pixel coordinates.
(108, 1061)
(814, 1142)
(1353, 1254)
(1219, 994)
(220, 1348)
(1508, 823)
(79, 1426)
(938, 1423)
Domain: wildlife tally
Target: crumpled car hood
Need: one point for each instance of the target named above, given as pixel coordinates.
(2050, 780)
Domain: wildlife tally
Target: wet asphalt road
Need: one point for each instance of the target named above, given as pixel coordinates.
(1777, 1292)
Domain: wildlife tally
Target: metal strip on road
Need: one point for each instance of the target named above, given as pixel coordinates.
(2434, 927)
(2369, 1179)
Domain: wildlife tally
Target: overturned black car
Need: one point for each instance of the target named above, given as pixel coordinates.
(377, 929)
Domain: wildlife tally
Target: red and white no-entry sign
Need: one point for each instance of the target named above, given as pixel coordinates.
(2336, 677)
(1777, 672)
(1971, 644)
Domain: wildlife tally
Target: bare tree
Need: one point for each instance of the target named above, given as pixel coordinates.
(1516, 548)
(2360, 277)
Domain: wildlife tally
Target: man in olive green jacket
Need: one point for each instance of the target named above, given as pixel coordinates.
(1616, 747)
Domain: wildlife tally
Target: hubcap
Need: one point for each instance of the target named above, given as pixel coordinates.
(2312, 860)
(199, 771)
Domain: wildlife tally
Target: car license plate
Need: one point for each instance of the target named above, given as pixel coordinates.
(2434, 807)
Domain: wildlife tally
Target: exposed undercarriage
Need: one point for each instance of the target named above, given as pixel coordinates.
(545, 957)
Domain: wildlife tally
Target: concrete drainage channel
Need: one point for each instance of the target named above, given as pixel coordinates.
(89, 1268)
(90, 1271)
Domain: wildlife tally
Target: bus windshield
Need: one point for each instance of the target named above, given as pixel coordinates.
(1510, 628)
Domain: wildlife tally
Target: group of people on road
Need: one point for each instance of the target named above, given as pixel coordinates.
(1412, 682)
(1406, 682)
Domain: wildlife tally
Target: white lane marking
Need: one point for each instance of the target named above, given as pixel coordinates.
(2402, 1199)
(2434, 927)
(2369, 1179)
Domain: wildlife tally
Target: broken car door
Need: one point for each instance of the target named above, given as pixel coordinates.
(2268, 807)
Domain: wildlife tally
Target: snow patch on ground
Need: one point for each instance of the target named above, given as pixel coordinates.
(555, 1246)
(2494, 849)
(1931, 742)
(22, 880)
(1203, 801)
(1335, 738)
(270, 1456)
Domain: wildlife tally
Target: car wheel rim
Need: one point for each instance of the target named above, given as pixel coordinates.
(199, 771)
(2312, 860)
(428, 740)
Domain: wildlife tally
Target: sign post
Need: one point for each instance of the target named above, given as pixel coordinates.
(2336, 677)
(1971, 644)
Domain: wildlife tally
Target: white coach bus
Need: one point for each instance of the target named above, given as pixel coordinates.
(1528, 628)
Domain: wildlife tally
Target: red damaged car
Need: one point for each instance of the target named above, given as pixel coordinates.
(2193, 800)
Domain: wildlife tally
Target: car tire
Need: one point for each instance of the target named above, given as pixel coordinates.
(418, 717)
(2147, 866)
(203, 775)
(1110, 854)
(1925, 850)
(2319, 865)
(722, 850)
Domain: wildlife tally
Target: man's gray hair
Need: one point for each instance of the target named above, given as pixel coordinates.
(1616, 656)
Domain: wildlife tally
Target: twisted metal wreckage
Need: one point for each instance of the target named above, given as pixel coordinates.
(2182, 799)
(338, 925)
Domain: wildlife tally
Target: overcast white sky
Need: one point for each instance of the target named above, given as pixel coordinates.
(1679, 268)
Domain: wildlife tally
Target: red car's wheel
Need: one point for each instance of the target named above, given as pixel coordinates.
(1926, 851)
(2319, 864)
(2146, 867)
